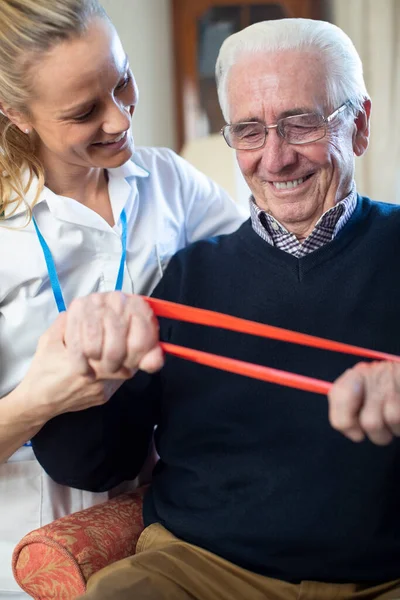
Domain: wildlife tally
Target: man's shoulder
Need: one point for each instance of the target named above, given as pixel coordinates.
(380, 208)
(200, 267)
(376, 218)
(204, 260)
(215, 247)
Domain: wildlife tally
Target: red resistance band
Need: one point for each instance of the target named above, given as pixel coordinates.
(181, 312)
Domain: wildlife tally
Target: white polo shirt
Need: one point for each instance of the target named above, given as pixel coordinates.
(168, 204)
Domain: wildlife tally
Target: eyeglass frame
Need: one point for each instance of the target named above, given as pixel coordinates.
(325, 122)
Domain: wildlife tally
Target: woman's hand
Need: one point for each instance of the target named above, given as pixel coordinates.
(365, 402)
(80, 361)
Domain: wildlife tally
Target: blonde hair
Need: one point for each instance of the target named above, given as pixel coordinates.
(29, 29)
(346, 81)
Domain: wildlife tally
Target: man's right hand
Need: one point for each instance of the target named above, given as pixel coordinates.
(113, 335)
(102, 340)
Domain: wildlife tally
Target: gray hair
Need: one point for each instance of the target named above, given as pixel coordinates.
(346, 81)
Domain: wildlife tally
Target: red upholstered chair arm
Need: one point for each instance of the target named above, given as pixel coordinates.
(55, 561)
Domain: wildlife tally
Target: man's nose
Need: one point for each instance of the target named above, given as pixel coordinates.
(277, 153)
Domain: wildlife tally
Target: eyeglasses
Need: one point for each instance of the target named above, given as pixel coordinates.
(296, 129)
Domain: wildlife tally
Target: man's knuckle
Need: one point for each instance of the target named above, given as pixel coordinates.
(117, 300)
(336, 424)
(342, 420)
(381, 438)
(362, 367)
(371, 423)
(342, 424)
(115, 354)
(143, 307)
(137, 347)
(392, 412)
(393, 421)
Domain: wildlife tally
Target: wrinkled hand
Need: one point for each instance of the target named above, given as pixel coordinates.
(365, 401)
(112, 335)
(87, 353)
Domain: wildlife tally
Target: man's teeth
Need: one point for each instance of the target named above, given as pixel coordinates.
(286, 185)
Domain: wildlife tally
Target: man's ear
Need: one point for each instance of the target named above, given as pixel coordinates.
(361, 133)
(17, 118)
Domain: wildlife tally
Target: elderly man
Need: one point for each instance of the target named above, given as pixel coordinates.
(256, 495)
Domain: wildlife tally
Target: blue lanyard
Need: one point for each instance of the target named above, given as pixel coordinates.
(52, 271)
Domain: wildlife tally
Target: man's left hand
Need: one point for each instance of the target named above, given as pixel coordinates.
(365, 402)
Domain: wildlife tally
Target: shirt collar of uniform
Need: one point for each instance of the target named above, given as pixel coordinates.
(122, 188)
(128, 171)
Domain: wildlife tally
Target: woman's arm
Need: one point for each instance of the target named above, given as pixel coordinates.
(98, 448)
(52, 386)
(94, 443)
(17, 425)
(80, 362)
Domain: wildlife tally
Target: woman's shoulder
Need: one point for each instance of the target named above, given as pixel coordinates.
(163, 160)
(148, 157)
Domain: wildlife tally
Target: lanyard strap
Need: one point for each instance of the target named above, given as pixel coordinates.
(52, 271)
(120, 276)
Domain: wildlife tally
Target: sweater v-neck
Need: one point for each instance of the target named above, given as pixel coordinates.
(351, 234)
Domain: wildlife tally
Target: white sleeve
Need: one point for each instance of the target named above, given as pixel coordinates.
(208, 208)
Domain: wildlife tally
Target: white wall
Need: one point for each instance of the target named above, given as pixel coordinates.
(145, 28)
(373, 27)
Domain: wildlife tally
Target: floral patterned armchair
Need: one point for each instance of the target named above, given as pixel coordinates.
(55, 561)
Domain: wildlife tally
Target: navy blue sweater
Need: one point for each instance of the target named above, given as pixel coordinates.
(249, 470)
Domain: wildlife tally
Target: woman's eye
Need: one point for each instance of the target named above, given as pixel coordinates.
(85, 116)
(124, 83)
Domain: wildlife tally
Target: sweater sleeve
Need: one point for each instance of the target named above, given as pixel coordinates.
(98, 448)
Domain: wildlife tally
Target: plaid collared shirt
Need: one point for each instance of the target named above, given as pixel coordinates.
(328, 226)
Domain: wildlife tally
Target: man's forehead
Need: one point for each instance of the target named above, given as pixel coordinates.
(287, 61)
(282, 83)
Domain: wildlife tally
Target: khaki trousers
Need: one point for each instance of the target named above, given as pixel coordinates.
(166, 568)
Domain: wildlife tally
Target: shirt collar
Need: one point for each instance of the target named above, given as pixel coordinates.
(128, 171)
(271, 227)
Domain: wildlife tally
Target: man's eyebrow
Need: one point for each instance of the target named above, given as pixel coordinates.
(248, 120)
(301, 110)
(80, 108)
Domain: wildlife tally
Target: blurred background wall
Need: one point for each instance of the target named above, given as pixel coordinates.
(145, 27)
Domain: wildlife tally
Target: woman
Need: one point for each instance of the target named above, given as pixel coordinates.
(81, 212)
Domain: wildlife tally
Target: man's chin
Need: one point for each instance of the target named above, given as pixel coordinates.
(290, 212)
